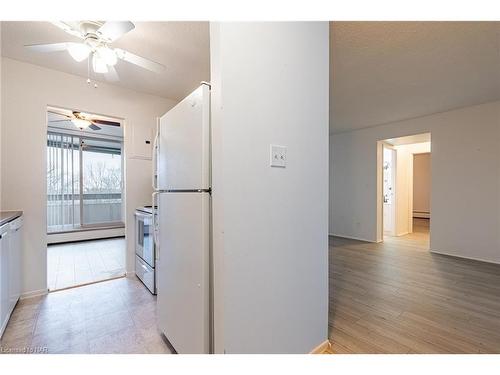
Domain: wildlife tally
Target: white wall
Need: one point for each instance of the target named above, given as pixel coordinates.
(422, 183)
(270, 85)
(465, 180)
(26, 91)
(1, 120)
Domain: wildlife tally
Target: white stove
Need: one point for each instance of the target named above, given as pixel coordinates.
(145, 262)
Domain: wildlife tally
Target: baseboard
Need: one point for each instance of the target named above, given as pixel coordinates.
(351, 237)
(464, 257)
(321, 348)
(34, 293)
(85, 235)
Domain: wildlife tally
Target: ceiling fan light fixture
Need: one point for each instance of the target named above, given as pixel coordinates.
(78, 51)
(96, 39)
(81, 123)
(99, 64)
(108, 55)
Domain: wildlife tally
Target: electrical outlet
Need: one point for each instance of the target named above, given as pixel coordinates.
(278, 156)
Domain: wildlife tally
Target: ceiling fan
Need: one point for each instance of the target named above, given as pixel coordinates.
(97, 38)
(83, 121)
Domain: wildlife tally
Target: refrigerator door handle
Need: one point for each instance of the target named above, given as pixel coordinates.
(154, 209)
(155, 158)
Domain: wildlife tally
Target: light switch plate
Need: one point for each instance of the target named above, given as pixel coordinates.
(278, 156)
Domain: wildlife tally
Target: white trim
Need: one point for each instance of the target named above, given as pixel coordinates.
(464, 257)
(351, 238)
(320, 349)
(34, 293)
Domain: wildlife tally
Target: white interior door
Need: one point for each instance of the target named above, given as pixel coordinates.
(183, 270)
(184, 144)
(389, 189)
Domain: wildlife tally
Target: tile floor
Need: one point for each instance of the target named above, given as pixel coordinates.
(84, 262)
(116, 316)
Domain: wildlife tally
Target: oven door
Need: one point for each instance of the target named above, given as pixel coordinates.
(146, 274)
(144, 247)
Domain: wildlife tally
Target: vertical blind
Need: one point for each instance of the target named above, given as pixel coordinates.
(62, 182)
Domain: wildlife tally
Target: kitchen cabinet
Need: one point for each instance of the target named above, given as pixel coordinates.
(4, 276)
(15, 250)
(10, 269)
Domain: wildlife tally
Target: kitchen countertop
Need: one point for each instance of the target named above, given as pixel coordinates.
(8, 216)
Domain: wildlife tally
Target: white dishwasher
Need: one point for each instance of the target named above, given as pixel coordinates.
(10, 269)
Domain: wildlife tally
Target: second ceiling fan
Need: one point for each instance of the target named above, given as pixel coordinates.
(83, 121)
(97, 37)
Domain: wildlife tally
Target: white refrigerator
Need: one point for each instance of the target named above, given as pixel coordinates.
(181, 221)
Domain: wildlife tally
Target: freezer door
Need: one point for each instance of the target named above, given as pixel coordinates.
(183, 270)
(184, 144)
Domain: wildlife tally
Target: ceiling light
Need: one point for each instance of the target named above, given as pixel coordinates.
(78, 51)
(81, 123)
(108, 55)
(98, 64)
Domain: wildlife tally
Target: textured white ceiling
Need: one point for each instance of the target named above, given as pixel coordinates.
(183, 47)
(390, 71)
(380, 71)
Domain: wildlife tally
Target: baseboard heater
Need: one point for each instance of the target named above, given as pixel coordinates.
(421, 214)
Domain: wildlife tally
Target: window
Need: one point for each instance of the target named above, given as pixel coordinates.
(84, 182)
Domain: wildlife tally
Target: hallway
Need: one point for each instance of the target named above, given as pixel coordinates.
(397, 297)
(418, 240)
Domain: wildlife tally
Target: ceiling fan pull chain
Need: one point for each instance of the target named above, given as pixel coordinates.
(88, 74)
(88, 71)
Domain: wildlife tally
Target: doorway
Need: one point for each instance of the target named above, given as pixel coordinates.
(85, 195)
(404, 170)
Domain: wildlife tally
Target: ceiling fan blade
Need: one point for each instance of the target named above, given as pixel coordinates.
(94, 127)
(69, 28)
(112, 30)
(105, 122)
(139, 61)
(60, 120)
(51, 47)
(111, 75)
(60, 114)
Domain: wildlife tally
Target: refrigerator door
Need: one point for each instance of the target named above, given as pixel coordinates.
(183, 159)
(183, 270)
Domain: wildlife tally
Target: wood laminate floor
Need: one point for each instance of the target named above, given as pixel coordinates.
(397, 297)
(84, 262)
(116, 316)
